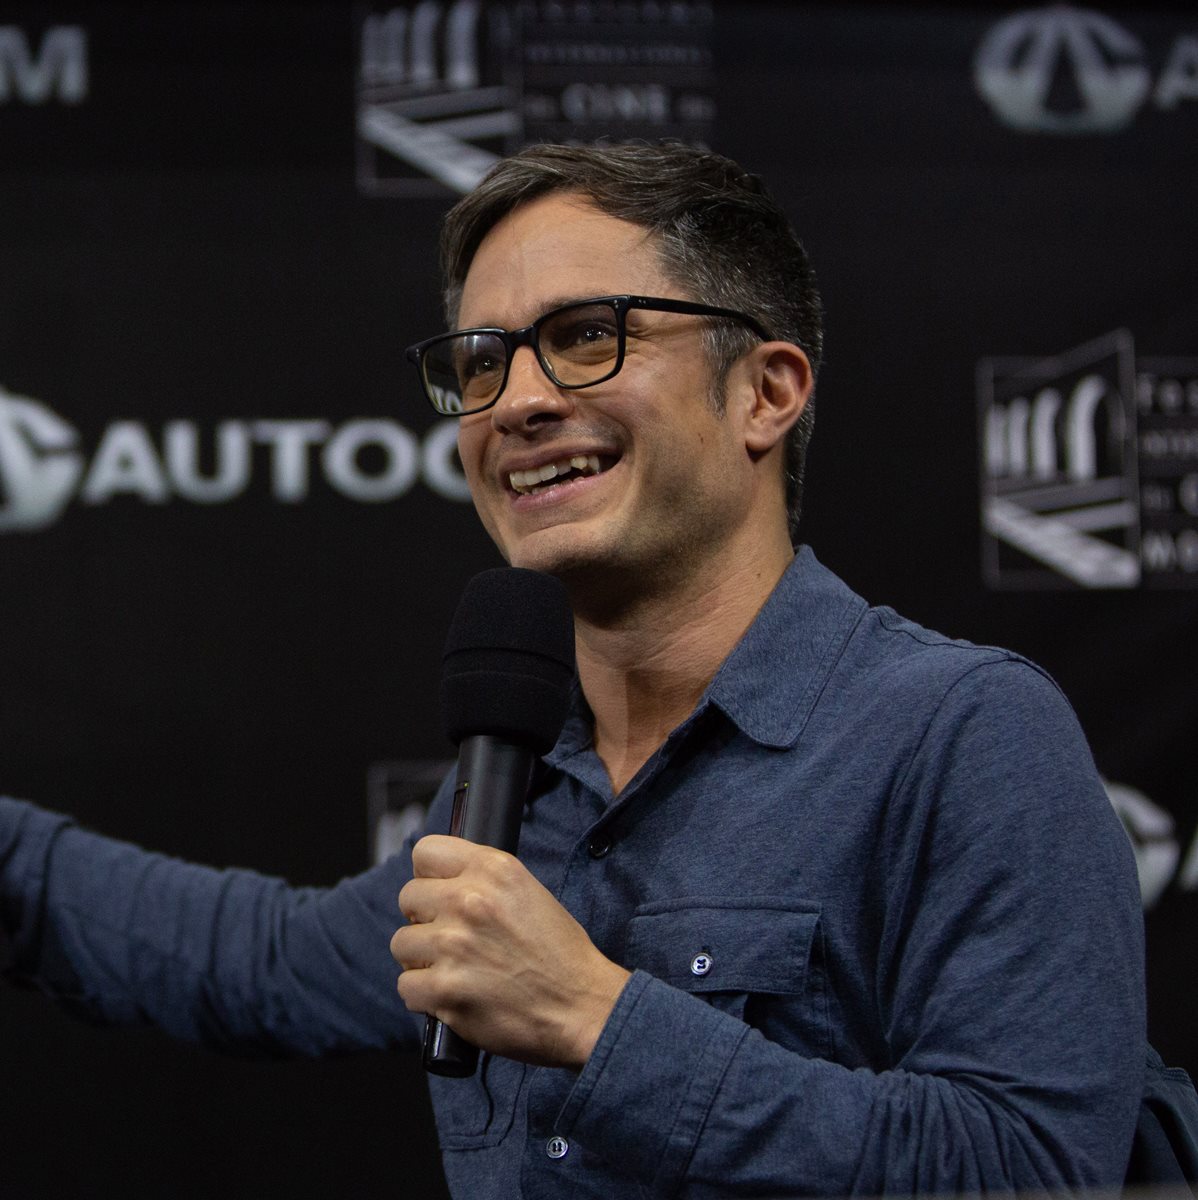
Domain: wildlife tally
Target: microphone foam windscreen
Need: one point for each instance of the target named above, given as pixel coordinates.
(509, 659)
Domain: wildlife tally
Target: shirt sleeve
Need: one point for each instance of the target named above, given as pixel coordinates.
(229, 958)
(1008, 985)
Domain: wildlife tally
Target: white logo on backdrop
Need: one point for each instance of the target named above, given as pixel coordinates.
(44, 466)
(1153, 837)
(421, 94)
(1059, 471)
(56, 71)
(446, 89)
(39, 463)
(1090, 468)
(1070, 70)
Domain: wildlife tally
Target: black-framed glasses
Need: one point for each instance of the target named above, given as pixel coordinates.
(577, 345)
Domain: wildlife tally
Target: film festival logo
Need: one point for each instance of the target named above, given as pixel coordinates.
(431, 95)
(445, 90)
(1089, 469)
(1064, 70)
(45, 465)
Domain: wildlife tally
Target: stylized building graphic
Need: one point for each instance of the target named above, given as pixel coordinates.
(446, 89)
(1059, 480)
(426, 99)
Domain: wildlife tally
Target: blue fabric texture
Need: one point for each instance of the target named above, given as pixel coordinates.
(883, 924)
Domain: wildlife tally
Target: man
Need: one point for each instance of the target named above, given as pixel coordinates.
(788, 916)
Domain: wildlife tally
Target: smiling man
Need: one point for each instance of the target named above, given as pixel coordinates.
(789, 916)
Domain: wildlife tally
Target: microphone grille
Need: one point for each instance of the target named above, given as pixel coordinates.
(509, 659)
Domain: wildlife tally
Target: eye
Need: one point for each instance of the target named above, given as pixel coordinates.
(587, 333)
(478, 356)
(590, 331)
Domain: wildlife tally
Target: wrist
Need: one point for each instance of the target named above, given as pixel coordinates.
(601, 999)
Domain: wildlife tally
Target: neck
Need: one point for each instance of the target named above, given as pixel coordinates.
(644, 663)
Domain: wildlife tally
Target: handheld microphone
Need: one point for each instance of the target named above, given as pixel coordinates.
(505, 682)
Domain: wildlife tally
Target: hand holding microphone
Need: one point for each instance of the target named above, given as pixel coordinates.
(490, 952)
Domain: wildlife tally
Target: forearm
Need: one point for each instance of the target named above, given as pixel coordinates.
(228, 958)
(694, 1103)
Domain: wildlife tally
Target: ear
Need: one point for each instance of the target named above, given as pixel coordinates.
(780, 380)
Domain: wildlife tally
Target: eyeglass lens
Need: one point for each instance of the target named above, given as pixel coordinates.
(576, 346)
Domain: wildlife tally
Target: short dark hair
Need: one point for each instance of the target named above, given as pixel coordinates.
(720, 236)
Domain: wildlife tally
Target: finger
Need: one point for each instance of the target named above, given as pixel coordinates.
(415, 990)
(437, 856)
(420, 900)
(412, 947)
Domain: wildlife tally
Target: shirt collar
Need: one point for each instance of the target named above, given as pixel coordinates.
(768, 685)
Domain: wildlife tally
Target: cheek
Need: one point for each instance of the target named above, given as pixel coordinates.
(471, 444)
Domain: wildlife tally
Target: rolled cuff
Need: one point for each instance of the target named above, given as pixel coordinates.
(661, 1051)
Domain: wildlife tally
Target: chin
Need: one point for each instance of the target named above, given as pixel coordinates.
(561, 553)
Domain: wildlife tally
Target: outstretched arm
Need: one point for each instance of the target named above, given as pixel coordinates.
(229, 958)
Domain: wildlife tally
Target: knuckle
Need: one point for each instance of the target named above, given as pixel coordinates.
(476, 906)
(502, 869)
(454, 945)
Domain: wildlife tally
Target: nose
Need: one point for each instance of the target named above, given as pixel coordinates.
(529, 397)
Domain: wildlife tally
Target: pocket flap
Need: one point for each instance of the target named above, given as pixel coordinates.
(754, 944)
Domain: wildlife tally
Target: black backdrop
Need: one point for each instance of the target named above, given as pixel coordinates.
(230, 536)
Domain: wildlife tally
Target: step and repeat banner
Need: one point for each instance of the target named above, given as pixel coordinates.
(232, 535)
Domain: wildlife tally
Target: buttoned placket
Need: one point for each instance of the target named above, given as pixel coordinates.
(547, 1150)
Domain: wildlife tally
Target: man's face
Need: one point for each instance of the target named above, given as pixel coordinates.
(673, 476)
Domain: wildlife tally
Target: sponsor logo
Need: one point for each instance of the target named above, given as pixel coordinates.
(1068, 70)
(40, 464)
(1089, 473)
(55, 70)
(44, 465)
(1154, 840)
(445, 90)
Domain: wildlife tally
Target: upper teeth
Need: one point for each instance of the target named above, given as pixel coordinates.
(524, 481)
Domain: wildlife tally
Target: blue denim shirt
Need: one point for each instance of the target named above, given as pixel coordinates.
(883, 925)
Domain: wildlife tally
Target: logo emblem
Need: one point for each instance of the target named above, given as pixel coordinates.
(1059, 483)
(1062, 70)
(40, 464)
(446, 89)
(423, 98)
(1089, 468)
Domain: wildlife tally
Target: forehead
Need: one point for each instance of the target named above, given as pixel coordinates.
(552, 250)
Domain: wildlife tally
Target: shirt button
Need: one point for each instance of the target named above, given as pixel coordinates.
(599, 845)
(701, 964)
(557, 1147)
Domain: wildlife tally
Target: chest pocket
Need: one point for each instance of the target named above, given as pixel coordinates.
(758, 958)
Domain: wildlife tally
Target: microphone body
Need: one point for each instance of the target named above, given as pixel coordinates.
(508, 666)
(488, 801)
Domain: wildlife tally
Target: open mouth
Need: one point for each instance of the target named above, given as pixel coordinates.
(540, 479)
